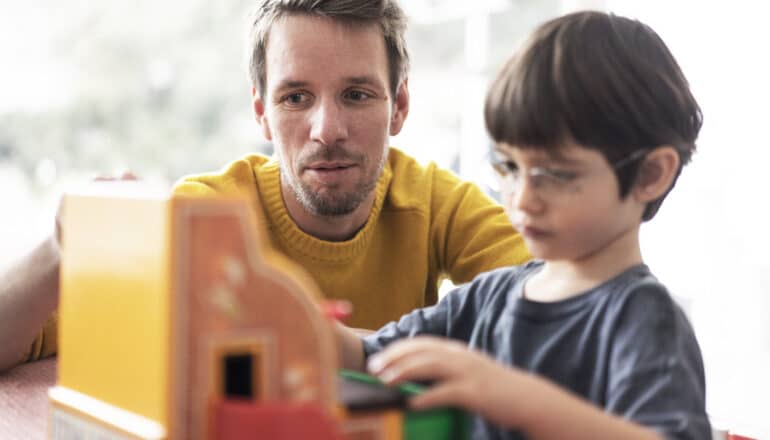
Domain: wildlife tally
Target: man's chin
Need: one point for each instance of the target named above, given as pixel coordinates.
(331, 205)
(325, 209)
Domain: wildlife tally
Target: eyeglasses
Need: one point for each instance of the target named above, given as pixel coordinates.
(546, 182)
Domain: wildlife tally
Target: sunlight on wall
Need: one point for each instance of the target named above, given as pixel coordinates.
(709, 243)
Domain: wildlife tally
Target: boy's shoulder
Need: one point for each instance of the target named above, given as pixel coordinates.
(640, 311)
(494, 286)
(636, 289)
(503, 277)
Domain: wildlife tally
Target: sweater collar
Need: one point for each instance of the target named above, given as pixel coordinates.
(299, 242)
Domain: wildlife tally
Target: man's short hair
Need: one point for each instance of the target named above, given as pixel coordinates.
(385, 13)
(608, 83)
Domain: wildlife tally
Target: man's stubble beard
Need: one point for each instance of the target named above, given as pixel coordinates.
(333, 203)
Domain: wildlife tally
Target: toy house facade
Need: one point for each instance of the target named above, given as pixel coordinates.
(177, 321)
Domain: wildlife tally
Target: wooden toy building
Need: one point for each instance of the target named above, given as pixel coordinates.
(178, 321)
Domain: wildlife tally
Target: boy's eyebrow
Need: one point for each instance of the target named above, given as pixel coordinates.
(563, 160)
(548, 158)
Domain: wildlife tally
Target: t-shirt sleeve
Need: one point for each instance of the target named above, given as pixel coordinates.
(452, 317)
(656, 369)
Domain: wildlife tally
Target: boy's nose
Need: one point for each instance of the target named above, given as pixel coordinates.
(525, 197)
(328, 123)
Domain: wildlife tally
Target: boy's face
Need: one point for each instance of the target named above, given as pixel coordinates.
(566, 207)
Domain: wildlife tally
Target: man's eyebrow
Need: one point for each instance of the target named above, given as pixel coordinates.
(365, 79)
(357, 80)
(291, 84)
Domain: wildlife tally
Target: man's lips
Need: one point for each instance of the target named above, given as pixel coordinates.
(329, 166)
(331, 173)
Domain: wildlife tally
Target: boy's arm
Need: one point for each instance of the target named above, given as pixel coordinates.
(29, 294)
(550, 412)
(507, 397)
(350, 346)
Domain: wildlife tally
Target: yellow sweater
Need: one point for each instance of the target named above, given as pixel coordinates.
(426, 224)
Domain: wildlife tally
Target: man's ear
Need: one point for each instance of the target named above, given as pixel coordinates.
(259, 113)
(400, 107)
(656, 174)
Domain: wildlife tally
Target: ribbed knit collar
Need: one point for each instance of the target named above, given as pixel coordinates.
(302, 243)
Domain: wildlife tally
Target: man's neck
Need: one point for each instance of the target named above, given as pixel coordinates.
(329, 228)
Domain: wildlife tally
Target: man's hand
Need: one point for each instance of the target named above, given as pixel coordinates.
(29, 295)
(123, 176)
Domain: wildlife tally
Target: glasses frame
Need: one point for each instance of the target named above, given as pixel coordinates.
(537, 175)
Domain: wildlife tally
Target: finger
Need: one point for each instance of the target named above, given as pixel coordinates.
(420, 366)
(445, 394)
(123, 175)
(128, 175)
(405, 348)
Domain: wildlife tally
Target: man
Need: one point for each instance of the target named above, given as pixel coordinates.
(329, 88)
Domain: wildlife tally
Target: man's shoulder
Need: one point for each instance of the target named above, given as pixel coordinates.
(235, 177)
(420, 185)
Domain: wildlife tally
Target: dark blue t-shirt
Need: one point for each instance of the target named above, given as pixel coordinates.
(624, 345)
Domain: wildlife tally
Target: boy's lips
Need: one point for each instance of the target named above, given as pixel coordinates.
(532, 232)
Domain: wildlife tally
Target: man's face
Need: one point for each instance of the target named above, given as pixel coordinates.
(328, 110)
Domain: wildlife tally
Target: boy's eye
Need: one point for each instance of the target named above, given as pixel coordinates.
(560, 177)
(563, 176)
(504, 167)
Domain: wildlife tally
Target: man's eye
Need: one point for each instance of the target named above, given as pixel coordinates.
(357, 95)
(295, 98)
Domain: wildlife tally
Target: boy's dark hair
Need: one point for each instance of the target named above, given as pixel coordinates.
(608, 83)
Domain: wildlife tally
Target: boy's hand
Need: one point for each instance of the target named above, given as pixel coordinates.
(505, 396)
(462, 377)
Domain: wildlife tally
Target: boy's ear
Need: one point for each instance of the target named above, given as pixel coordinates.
(656, 174)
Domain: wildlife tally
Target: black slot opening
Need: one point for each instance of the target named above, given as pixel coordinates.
(238, 377)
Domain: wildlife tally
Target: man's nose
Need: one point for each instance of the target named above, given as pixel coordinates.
(329, 123)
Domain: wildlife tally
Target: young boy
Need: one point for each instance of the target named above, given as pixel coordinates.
(593, 121)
